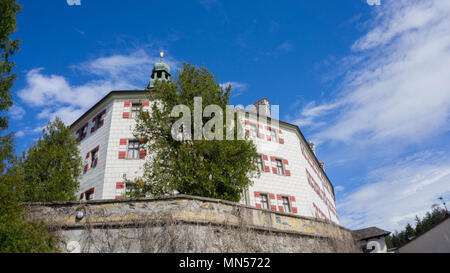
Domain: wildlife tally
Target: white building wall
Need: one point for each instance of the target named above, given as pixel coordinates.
(110, 170)
(93, 178)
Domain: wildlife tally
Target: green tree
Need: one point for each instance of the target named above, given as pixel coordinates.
(17, 233)
(210, 168)
(8, 11)
(52, 166)
(430, 219)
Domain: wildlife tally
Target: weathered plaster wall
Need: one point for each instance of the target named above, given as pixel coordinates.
(187, 224)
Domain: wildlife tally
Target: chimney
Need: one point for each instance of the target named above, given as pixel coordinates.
(322, 165)
(312, 146)
(263, 107)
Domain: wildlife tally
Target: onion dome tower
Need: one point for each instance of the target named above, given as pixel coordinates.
(161, 71)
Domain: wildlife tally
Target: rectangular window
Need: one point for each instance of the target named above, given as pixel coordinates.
(260, 163)
(89, 194)
(94, 156)
(83, 132)
(253, 131)
(135, 109)
(264, 201)
(133, 149)
(280, 168)
(273, 135)
(286, 204)
(98, 121)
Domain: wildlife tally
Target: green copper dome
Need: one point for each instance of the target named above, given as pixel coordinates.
(161, 71)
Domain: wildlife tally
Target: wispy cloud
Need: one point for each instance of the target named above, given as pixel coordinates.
(392, 100)
(237, 88)
(55, 96)
(397, 193)
(399, 76)
(16, 112)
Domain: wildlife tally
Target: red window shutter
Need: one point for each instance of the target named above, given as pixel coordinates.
(288, 173)
(247, 132)
(257, 194)
(258, 206)
(122, 155)
(260, 126)
(123, 141)
(269, 138)
(91, 191)
(120, 185)
(102, 122)
(292, 198)
(281, 141)
(146, 103)
(118, 197)
(274, 208)
(272, 158)
(294, 210)
(95, 162)
(267, 169)
(94, 119)
(274, 170)
(82, 196)
(92, 129)
(142, 154)
(280, 208)
(98, 148)
(88, 155)
(86, 167)
(261, 136)
(268, 128)
(279, 197)
(272, 196)
(280, 132)
(103, 112)
(285, 162)
(126, 115)
(266, 158)
(127, 104)
(247, 122)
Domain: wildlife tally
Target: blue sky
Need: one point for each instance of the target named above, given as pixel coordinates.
(369, 84)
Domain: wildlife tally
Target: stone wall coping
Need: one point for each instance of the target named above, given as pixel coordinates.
(175, 197)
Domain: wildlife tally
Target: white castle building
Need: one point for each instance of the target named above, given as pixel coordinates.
(292, 179)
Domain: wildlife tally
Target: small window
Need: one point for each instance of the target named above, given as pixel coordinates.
(135, 109)
(89, 194)
(264, 201)
(273, 135)
(94, 158)
(280, 168)
(286, 204)
(83, 132)
(133, 149)
(98, 121)
(253, 130)
(260, 163)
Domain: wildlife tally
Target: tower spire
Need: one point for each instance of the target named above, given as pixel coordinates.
(161, 71)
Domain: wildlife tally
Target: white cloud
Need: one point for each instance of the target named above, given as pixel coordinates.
(393, 99)
(237, 88)
(401, 89)
(57, 97)
(397, 193)
(16, 112)
(20, 133)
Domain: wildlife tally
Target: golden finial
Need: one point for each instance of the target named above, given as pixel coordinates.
(161, 54)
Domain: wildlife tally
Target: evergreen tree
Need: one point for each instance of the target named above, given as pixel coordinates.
(52, 166)
(8, 11)
(398, 239)
(210, 168)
